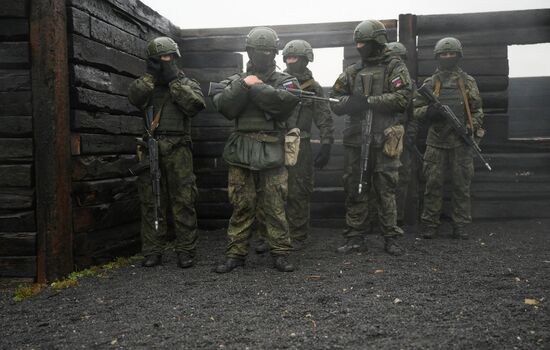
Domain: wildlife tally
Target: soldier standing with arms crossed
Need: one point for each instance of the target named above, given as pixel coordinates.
(388, 99)
(445, 148)
(175, 100)
(257, 179)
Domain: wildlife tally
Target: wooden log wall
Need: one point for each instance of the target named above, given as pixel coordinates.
(517, 186)
(17, 186)
(107, 41)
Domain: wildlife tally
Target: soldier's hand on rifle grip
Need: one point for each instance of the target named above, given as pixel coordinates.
(252, 80)
(433, 112)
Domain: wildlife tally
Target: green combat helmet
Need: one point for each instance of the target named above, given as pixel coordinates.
(298, 48)
(370, 30)
(162, 45)
(397, 49)
(448, 45)
(262, 38)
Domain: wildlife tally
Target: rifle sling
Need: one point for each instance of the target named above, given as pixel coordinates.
(156, 120)
(466, 104)
(307, 84)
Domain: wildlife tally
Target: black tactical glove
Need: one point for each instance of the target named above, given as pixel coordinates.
(322, 158)
(357, 103)
(153, 66)
(169, 71)
(434, 112)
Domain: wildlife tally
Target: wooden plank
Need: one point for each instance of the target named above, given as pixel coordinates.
(211, 59)
(505, 36)
(102, 167)
(106, 144)
(17, 243)
(15, 148)
(16, 198)
(475, 66)
(15, 103)
(10, 8)
(512, 209)
(105, 215)
(210, 74)
(101, 101)
(98, 240)
(14, 54)
(407, 36)
(236, 43)
(94, 122)
(448, 23)
(15, 80)
(90, 52)
(282, 29)
(87, 193)
(485, 51)
(18, 266)
(78, 22)
(96, 79)
(16, 126)
(211, 133)
(13, 29)
(117, 38)
(208, 149)
(15, 175)
(51, 119)
(22, 221)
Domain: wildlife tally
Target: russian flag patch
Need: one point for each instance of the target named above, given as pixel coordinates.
(290, 85)
(396, 82)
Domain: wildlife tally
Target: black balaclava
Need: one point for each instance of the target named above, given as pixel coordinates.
(369, 50)
(298, 66)
(261, 61)
(448, 63)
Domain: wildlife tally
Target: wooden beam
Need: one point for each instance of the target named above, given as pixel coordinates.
(51, 125)
(407, 36)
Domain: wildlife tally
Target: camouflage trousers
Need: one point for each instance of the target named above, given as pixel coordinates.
(259, 194)
(460, 162)
(178, 194)
(300, 188)
(382, 181)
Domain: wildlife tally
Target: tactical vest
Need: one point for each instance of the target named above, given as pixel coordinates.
(252, 118)
(381, 119)
(440, 133)
(172, 120)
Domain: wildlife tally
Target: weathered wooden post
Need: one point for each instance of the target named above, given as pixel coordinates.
(51, 127)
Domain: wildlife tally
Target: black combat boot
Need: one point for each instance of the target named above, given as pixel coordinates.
(229, 264)
(352, 244)
(459, 233)
(262, 247)
(428, 232)
(281, 263)
(185, 260)
(392, 247)
(152, 260)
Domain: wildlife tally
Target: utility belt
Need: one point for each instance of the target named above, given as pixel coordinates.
(263, 136)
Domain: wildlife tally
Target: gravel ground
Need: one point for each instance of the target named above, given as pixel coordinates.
(442, 294)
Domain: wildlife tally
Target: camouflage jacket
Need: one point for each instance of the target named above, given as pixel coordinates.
(439, 132)
(389, 100)
(310, 111)
(183, 97)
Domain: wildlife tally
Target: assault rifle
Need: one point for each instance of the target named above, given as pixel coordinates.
(366, 131)
(153, 150)
(216, 88)
(456, 124)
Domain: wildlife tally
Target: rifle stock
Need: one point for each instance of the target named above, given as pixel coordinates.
(216, 88)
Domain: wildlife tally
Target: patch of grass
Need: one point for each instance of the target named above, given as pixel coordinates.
(24, 292)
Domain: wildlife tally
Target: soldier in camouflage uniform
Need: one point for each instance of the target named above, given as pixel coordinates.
(389, 99)
(410, 155)
(178, 98)
(297, 54)
(445, 148)
(257, 180)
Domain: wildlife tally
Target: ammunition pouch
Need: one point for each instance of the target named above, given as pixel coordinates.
(393, 145)
(292, 147)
